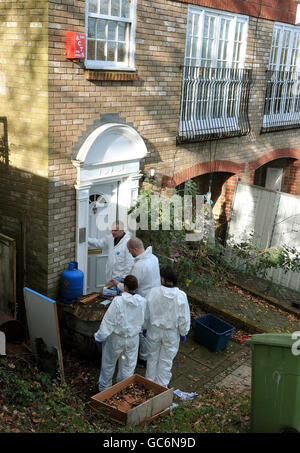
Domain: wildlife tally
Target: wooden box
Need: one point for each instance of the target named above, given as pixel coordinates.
(162, 399)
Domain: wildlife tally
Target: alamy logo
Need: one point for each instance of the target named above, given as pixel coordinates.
(186, 213)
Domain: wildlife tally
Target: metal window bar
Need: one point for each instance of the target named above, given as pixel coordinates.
(4, 152)
(214, 103)
(282, 102)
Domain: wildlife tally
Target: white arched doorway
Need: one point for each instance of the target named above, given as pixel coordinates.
(108, 173)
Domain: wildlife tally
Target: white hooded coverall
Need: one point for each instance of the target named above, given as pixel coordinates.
(167, 317)
(146, 270)
(119, 334)
(120, 261)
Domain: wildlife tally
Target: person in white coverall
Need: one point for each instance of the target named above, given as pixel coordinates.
(167, 322)
(120, 261)
(119, 334)
(146, 270)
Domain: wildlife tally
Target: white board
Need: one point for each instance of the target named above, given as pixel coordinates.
(42, 320)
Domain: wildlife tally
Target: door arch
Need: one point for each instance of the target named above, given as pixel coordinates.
(109, 157)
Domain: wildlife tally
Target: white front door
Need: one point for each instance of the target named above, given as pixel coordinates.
(103, 202)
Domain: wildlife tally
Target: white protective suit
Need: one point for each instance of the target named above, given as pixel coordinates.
(167, 317)
(120, 261)
(119, 334)
(146, 270)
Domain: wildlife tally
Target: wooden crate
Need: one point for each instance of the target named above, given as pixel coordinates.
(163, 399)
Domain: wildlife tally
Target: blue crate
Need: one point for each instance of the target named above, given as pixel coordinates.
(212, 332)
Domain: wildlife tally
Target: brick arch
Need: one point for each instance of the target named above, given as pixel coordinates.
(201, 169)
(273, 155)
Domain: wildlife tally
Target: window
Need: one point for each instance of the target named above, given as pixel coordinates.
(110, 33)
(285, 48)
(215, 85)
(97, 201)
(215, 39)
(282, 105)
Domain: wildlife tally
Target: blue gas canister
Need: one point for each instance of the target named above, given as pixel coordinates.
(71, 283)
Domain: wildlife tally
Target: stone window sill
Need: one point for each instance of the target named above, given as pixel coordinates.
(112, 76)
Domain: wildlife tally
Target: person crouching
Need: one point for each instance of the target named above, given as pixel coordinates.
(167, 322)
(119, 334)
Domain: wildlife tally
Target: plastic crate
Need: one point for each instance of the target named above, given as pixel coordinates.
(212, 332)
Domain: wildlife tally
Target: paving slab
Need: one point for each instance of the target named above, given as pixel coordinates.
(243, 372)
(214, 359)
(239, 380)
(195, 367)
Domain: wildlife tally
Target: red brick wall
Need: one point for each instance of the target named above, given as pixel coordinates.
(276, 10)
(201, 169)
(291, 180)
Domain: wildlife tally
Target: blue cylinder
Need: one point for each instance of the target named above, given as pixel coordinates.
(71, 283)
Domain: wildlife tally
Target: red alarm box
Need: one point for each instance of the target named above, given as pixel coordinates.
(75, 45)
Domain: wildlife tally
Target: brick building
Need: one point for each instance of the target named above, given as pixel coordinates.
(202, 89)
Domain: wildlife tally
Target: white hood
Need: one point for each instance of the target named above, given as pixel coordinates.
(146, 270)
(146, 254)
(169, 292)
(132, 299)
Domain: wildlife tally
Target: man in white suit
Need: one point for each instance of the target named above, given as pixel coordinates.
(120, 261)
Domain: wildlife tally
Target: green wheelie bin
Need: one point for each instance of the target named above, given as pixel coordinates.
(275, 382)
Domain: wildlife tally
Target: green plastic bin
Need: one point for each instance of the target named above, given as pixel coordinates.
(275, 386)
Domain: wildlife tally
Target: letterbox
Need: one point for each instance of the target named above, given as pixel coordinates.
(75, 45)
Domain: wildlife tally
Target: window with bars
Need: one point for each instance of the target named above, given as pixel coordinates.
(282, 104)
(110, 34)
(215, 85)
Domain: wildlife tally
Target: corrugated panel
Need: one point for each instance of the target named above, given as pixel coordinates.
(287, 222)
(273, 217)
(253, 210)
(286, 230)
